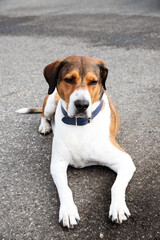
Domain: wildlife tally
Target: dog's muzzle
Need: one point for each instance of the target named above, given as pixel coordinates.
(79, 121)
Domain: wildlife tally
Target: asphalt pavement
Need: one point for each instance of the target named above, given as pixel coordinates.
(124, 34)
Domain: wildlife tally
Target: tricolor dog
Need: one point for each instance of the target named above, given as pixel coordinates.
(85, 124)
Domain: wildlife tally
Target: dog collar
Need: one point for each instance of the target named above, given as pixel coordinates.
(80, 121)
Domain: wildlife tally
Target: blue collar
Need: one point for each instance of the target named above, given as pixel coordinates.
(80, 121)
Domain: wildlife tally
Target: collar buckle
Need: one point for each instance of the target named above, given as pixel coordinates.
(76, 121)
(90, 120)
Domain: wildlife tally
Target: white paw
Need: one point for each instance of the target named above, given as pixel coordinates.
(118, 212)
(68, 215)
(44, 127)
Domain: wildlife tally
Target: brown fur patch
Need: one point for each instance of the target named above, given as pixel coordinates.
(114, 124)
(44, 104)
(73, 74)
(94, 90)
(103, 106)
(66, 89)
(56, 98)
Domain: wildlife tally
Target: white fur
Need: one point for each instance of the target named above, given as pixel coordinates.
(87, 145)
(23, 110)
(45, 126)
(79, 94)
(49, 112)
(50, 107)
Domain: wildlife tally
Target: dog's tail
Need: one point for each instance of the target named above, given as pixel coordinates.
(29, 110)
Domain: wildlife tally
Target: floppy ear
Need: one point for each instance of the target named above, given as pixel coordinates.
(103, 74)
(51, 72)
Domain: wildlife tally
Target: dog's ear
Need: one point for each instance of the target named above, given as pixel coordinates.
(103, 73)
(51, 72)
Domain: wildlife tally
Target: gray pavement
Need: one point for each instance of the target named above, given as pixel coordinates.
(126, 35)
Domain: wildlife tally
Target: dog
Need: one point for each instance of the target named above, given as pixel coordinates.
(85, 124)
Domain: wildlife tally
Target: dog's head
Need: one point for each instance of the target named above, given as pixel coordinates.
(80, 82)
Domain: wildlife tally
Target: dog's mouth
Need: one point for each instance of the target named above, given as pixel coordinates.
(80, 114)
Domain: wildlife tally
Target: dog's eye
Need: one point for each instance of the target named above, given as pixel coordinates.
(69, 80)
(93, 82)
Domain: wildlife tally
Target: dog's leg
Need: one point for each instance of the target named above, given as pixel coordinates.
(45, 127)
(122, 164)
(49, 108)
(68, 213)
(124, 167)
(118, 209)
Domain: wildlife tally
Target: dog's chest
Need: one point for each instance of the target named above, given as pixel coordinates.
(84, 150)
(83, 144)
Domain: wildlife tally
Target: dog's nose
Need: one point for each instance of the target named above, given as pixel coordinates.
(81, 105)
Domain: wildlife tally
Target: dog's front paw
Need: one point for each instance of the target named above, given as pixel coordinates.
(118, 212)
(45, 127)
(68, 215)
